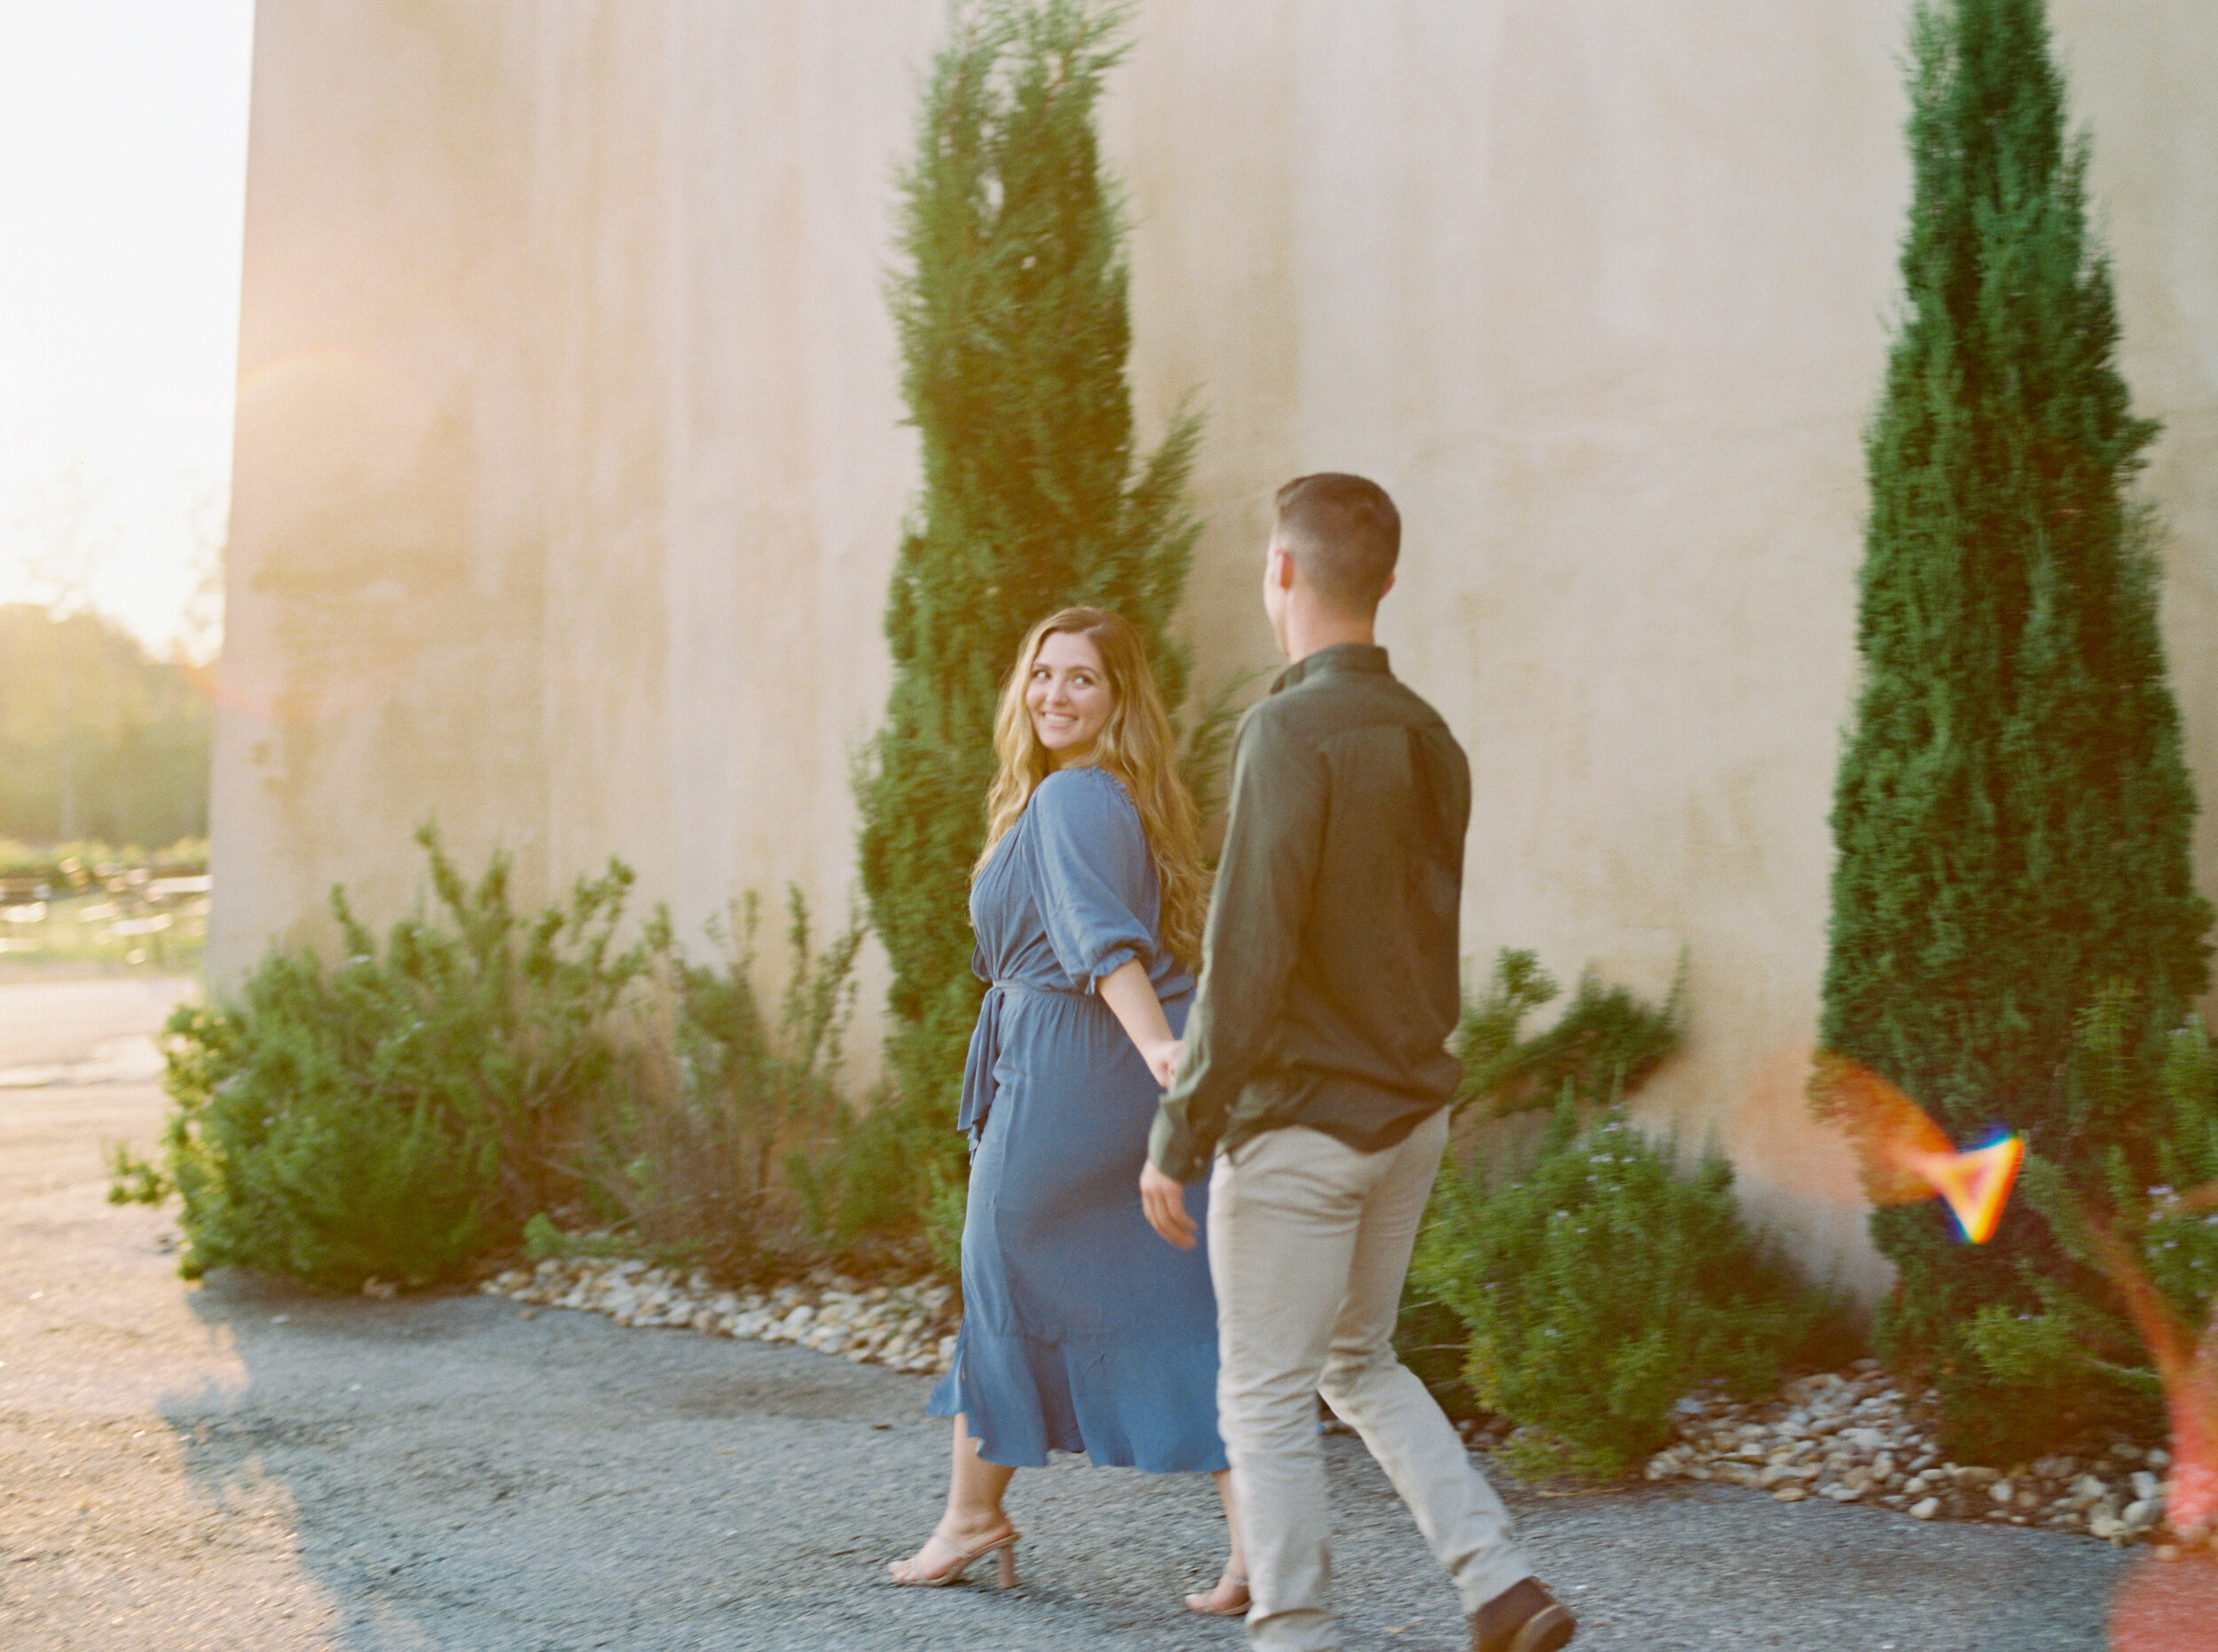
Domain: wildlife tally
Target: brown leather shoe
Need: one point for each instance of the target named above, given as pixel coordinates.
(1524, 1617)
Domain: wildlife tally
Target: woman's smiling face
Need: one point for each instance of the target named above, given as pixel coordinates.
(1068, 695)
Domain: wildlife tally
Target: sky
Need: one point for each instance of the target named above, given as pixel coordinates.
(122, 186)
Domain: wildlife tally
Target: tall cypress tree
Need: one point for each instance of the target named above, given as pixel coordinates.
(1011, 306)
(2012, 816)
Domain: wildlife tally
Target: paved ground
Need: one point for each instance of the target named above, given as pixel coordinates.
(241, 1466)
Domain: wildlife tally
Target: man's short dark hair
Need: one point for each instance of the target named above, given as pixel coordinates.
(1343, 534)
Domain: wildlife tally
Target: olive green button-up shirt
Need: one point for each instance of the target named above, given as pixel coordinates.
(1330, 978)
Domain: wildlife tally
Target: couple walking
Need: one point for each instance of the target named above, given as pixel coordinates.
(1307, 1079)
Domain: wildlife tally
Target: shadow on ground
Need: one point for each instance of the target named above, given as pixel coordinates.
(460, 1475)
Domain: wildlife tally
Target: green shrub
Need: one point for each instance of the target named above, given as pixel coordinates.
(487, 1073)
(133, 1180)
(1432, 1341)
(704, 1145)
(1603, 1047)
(1601, 1285)
(543, 1240)
(945, 1206)
(403, 1111)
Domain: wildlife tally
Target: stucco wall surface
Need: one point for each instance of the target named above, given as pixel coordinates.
(569, 462)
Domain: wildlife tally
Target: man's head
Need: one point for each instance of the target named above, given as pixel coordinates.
(1334, 542)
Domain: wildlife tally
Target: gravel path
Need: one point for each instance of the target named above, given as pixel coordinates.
(237, 1465)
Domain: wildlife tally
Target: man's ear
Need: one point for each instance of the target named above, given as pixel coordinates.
(1387, 586)
(1281, 573)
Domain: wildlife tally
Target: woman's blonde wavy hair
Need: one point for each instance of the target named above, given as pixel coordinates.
(1136, 745)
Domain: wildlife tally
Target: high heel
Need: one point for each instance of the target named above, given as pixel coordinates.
(1232, 1605)
(1004, 1549)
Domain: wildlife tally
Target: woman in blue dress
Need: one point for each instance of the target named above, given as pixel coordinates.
(1081, 1330)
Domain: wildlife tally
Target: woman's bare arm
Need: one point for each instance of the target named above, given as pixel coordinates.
(1131, 998)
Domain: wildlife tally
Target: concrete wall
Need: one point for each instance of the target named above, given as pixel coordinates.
(570, 467)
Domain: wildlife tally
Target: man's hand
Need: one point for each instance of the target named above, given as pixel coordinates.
(1165, 1203)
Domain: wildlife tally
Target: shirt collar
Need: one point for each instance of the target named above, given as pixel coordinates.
(1364, 657)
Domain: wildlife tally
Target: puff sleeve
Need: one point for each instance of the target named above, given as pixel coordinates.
(1098, 894)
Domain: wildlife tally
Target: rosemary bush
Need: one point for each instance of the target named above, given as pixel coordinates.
(422, 1103)
(705, 1150)
(1601, 1284)
(394, 1115)
(1603, 1046)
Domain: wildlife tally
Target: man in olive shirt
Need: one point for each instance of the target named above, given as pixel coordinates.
(1316, 1075)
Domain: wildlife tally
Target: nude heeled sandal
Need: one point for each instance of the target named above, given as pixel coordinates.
(1004, 1549)
(1235, 1605)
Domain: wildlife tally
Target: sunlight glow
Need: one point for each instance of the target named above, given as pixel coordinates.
(122, 186)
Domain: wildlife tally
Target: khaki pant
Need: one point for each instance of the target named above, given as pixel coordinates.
(1309, 1243)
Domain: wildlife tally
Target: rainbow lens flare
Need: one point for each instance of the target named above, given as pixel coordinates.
(1975, 1184)
(1904, 1156)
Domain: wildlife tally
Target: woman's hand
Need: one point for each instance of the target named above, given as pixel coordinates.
(1131, 999)
(1162, 1059)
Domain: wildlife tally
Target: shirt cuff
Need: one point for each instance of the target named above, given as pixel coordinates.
(1173, 1148)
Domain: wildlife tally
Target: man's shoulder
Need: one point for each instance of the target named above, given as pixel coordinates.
(1333, 704)
(1285, 724)
(1412, 707)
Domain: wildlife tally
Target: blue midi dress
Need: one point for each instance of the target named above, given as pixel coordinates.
(1083, 1328)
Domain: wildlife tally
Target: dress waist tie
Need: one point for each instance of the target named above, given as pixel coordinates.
(978, 1065)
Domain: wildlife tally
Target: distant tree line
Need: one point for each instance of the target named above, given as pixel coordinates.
(96, 739)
